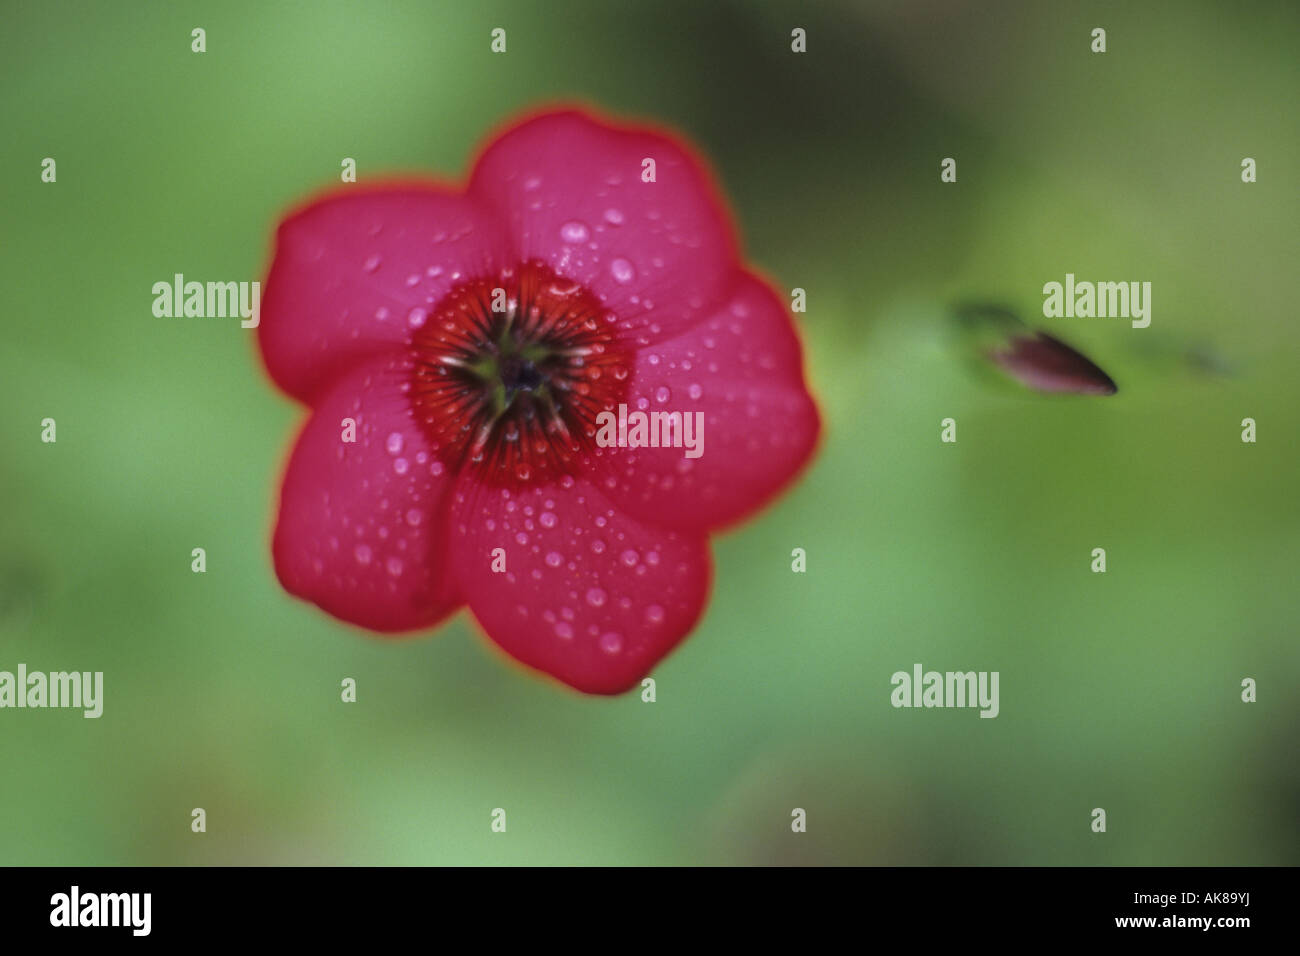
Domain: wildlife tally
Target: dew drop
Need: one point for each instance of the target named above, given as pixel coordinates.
(611, 643)
(654, 614)
(622, 271)
(595, 597)
(614, 217)
(563, 630)
(394, 443)
(554, 559)
(400, 465)
(372, 263)
(394, 566)
(662, 394)
(630, 557)
(362, 553)
(547, 519)
(574, 232)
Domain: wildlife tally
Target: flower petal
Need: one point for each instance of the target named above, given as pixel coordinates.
(588, 595)
(354, 273)
(741, 368)
(361, 530)
(571, 191)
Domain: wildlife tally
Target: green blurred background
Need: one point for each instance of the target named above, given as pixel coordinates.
(1119, 691)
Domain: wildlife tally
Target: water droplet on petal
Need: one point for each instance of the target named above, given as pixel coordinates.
(622, 271)
(614, 217)
(394, 566)
(595, 597)
(362, 553)
(574, 232)
(554, 559)
(611, 643)
(662, 394)
(547, 519)
(372, 263)
(654, 614)
(394, 443)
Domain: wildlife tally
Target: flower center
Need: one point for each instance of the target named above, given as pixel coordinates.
(511, 371)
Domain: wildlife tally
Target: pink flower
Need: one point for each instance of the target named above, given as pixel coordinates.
(475, 475)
